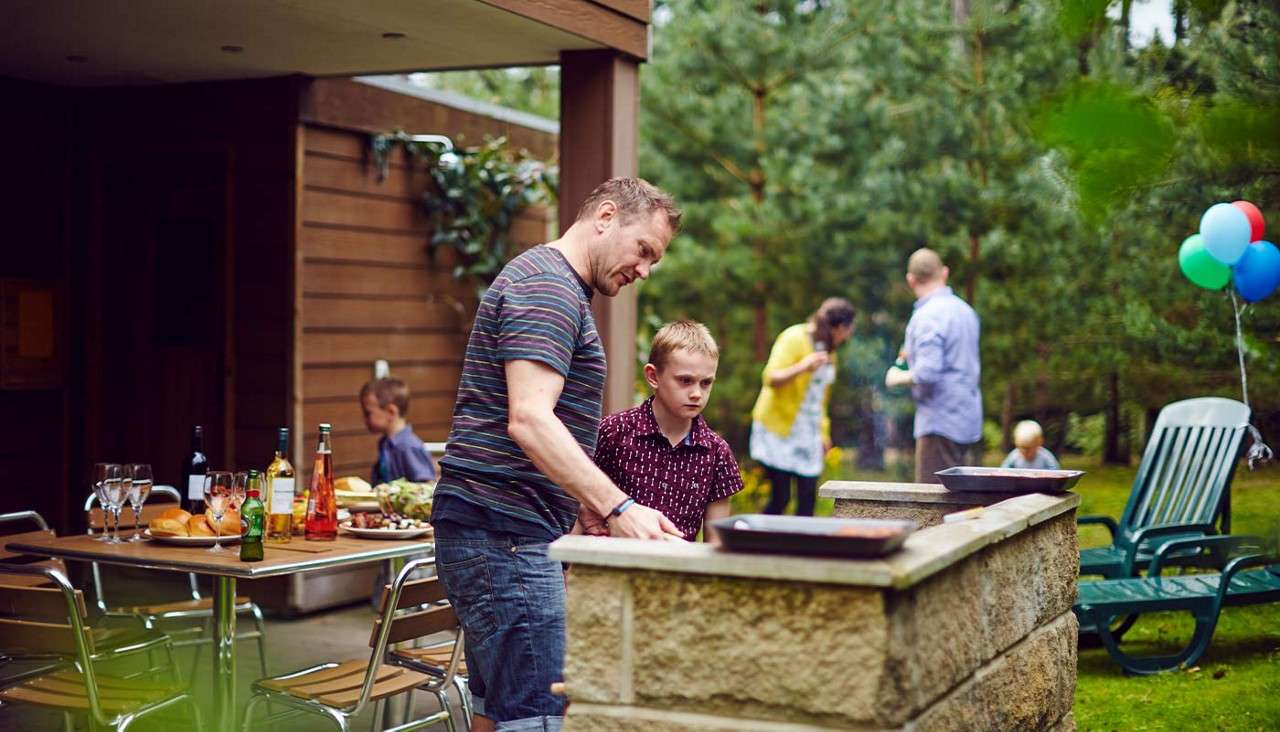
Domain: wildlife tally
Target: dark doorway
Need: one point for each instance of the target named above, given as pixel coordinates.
(158, 347)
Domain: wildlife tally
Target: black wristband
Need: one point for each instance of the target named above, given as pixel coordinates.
(618, 509)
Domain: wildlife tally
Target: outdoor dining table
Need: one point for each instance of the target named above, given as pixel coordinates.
(225, 567)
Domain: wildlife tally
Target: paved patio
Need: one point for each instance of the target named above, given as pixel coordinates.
(336, 635)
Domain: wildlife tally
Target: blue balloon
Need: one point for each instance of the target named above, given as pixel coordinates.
(1226, 232)
(1257, 274)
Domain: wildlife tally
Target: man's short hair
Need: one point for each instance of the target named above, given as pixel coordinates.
(388, 390)
(1027, 433)
(925, 265)
(687, 334)
(633, 196)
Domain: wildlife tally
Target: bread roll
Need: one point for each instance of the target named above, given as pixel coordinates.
(161, 526)
(177, 514)
(230, 522)
(199, 526)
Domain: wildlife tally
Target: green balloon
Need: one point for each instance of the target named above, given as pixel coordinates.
(1200, 266)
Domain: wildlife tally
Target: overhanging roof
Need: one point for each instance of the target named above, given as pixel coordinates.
(78, 43)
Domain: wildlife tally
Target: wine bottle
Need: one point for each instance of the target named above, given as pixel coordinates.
(193, 470)
(322, 506)
(252, 518)
(281, 484)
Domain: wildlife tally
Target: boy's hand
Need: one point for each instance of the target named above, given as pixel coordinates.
(590, 523)
(642, 522)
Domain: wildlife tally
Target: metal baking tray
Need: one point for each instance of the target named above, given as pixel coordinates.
(807, 535)
(1008, 480)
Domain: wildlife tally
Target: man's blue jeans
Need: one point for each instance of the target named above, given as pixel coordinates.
(509, 598)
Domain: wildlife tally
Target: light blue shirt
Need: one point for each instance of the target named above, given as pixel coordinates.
(942, 353)
(1044, 460)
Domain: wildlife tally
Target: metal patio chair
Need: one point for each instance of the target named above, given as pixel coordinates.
(340, 691)
(432, 658)
(50, 619)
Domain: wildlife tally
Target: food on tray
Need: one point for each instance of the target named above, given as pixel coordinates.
(406, 499)
(230, 522)
(176, 514)
(161, 526)
(868, 532)
(352, 484)
(199, 526)
(374, 520)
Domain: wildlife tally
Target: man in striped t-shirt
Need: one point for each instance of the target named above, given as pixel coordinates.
(517, 472)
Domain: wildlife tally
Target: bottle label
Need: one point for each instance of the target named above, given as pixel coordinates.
(251, 526)
(195, 487)
(282, 496)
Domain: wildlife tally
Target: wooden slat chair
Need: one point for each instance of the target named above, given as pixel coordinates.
(187, 621)
(109, 643)
(1244, 581)
(1181, 489)
(50, 619)
(433, 659)
(340, 691)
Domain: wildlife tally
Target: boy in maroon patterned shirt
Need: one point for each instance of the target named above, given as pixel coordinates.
(662, 453)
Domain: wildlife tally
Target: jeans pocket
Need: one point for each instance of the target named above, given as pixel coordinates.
(471, 592)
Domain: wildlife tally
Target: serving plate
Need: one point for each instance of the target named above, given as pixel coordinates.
(385, 533)
(827, 537)
(193, 540)
(1008, 480)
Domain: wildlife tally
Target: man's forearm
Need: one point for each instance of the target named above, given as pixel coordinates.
(557, 455)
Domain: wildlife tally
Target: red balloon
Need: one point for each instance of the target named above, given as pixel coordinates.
(1256, 224)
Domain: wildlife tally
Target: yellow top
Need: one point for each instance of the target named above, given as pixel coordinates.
(776, 407)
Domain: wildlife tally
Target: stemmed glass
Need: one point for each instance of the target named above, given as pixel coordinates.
(108, 486)
(240, 490)
(139, 489)
(218, 490)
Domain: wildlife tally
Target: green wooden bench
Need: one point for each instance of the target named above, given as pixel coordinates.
(1250, 577)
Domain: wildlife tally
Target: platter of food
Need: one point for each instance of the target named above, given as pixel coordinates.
(806, 535)
(380, 526)
(176, 526)
(192, 540)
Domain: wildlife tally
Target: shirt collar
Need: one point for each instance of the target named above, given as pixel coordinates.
(649, 426)
(587, 289)
(944, 290)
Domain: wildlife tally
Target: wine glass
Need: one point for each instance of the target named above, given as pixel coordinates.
(106, 481)
(139, 489)
(218, 488)
(239, 490)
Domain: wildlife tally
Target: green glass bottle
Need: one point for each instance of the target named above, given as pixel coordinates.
(252, 520)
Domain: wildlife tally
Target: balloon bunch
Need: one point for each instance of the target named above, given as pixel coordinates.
(1229, 248)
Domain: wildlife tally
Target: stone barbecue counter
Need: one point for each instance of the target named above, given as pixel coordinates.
(969, 626)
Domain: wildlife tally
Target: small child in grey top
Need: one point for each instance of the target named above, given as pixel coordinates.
(1029, 450)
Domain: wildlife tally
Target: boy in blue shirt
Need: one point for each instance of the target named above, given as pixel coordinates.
(385, 403)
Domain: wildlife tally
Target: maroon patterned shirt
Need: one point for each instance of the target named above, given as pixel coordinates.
(680, 480)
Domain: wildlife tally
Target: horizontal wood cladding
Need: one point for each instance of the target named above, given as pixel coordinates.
(343, 382)
(352, 106)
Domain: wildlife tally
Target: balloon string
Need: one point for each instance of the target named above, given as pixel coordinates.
(1258, 452)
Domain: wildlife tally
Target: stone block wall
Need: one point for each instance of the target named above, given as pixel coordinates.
(988, 642)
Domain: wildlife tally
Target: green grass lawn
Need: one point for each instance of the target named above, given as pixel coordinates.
(1237, 684)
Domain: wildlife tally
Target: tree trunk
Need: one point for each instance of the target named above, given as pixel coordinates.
(1006, 417)
(1111, 453)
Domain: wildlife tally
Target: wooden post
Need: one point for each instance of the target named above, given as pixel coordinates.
(599, 106)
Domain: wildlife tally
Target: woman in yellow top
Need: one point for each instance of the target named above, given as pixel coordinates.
(790, 430)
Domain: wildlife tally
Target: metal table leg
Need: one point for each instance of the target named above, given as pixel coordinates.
(224, 654)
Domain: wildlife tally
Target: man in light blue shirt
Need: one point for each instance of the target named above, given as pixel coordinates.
(943, 370)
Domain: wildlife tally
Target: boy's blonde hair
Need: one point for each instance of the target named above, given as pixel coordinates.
(388, 391)
(1027, 433)
(687, 334)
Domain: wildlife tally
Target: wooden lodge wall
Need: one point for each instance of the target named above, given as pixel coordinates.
(366, 288)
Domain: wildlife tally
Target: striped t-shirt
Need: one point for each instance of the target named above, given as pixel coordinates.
(538, 309)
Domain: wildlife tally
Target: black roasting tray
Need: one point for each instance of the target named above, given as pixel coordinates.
(812, 536)
(1008, 480)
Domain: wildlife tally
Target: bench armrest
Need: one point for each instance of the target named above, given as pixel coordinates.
(1237, 564)
(1226, 544)
(1150, 532)
(1098, 518)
